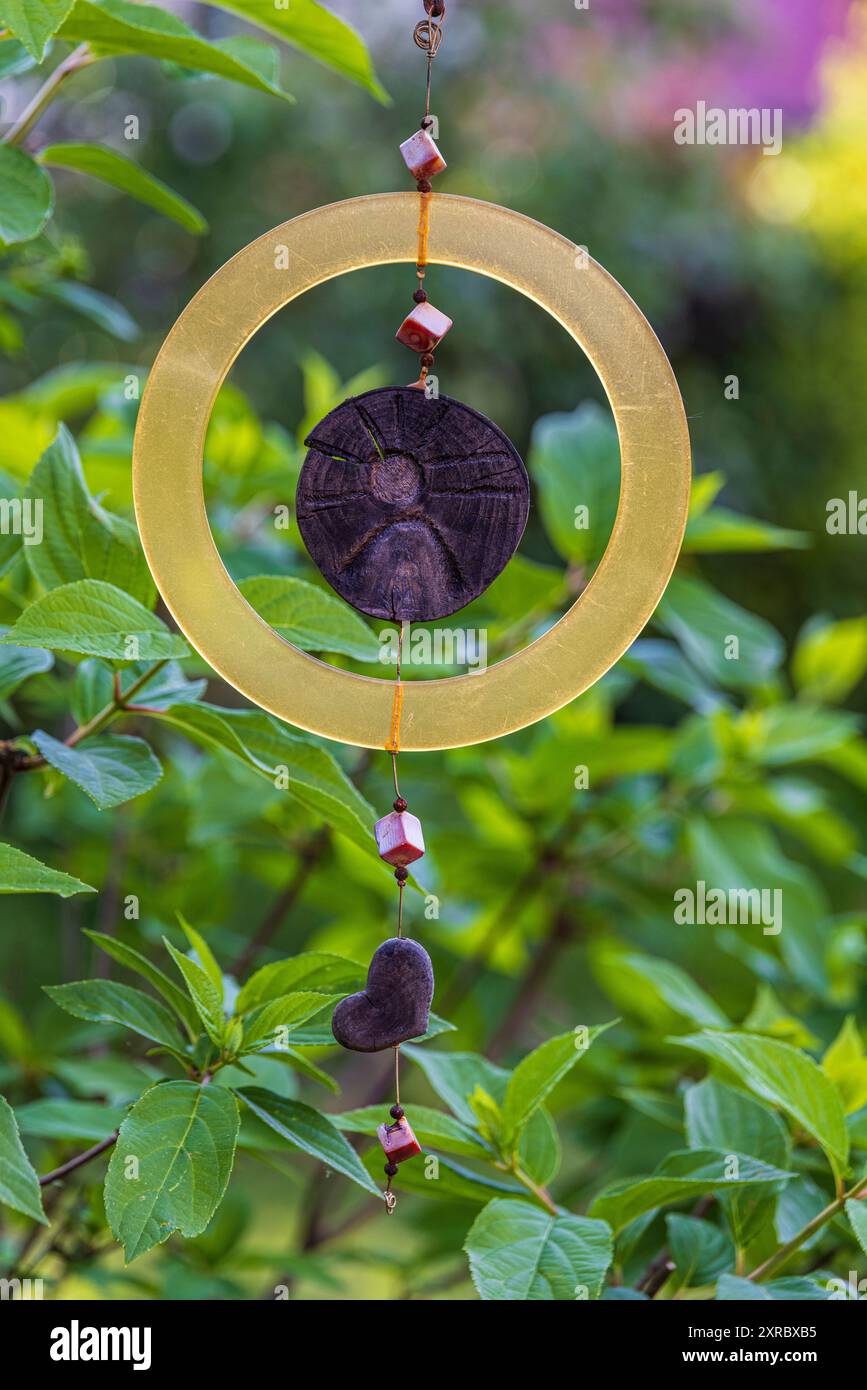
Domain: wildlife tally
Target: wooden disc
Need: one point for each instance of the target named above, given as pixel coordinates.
(410, 506)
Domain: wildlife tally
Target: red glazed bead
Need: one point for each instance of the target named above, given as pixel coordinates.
(422, 329)
(398, 1141)
(421, 156)
(399, 838)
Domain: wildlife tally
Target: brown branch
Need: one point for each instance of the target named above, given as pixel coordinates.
(78, 1162)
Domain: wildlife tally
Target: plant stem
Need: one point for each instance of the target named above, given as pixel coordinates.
(540, 1193)
(117, 705)
(791, 1246)
(78, 1161)
(79, 58)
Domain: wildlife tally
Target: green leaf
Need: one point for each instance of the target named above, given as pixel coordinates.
(518, 1252)
(433, 1129)
(830, 658)
(304, 1128)
(718, 1117)
(19, 1185)
(657, 991)
(285, 1013)
(93, 688)
(786, 1078)
(107, 313)
(703, 622)
(182, 1137)
(20, 873)
(719, 531)
(535, 1077)
(27, 197)
(105, 1001)
(309, 773)
(120, 26)
(316, 31)
(115, 169)
(35, 22)
(96, 619)
(206, 997)
(69, 1119)
(732, 1289)
(683, 1175)
(574, 461)
(110, 768)
(445, 1180)
(856, 1210)
(80, 539)
(310, 617)
(316, 970)
(845, 1063)
(206, 958)
(18, 664)
(700, 1250)
(134, 960)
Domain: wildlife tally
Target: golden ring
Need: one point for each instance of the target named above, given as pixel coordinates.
(381, 229)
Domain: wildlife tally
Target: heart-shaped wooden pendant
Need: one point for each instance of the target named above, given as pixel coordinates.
(394, 1005)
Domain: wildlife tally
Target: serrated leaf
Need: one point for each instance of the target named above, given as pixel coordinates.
(309, 617)
(122, 173)
(700, 1250)
(206, 958)
(786, 1078)
(288, 1012)
(20, 873)
(206, 997)
(845, 1063)
(309, 773)
(856, 1210)
(69, 1119)
(304, 1128)
(106, 1001)
(28, 196)
(35, 22)
(120, 26)
(535, 1077)
(18, 664)
(314, 30)
(183, 1138)
(110, 768)
(19, 1185)
(683, 1175)
(134, 960)
(703, 621)
(518, 1252)
(95, 619)
(312, 970)
(81, 540)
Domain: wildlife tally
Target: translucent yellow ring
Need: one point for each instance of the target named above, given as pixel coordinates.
(654, 492)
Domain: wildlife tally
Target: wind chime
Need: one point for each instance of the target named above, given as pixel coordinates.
(410, 503)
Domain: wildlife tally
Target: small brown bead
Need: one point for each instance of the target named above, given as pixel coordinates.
(420, 295)
(424, 185)
(427, 359)
(390, 1169)
(400, 804)
(396, 1112)
(401, 875)
(435, 8)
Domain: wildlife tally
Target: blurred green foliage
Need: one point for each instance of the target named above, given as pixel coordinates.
(711, 1139)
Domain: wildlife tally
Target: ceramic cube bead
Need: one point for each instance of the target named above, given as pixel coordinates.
(399, 838)
(398, 1141)
(422, 329)
(421, 156)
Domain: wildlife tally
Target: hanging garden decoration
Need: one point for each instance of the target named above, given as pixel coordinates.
(410, 504)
